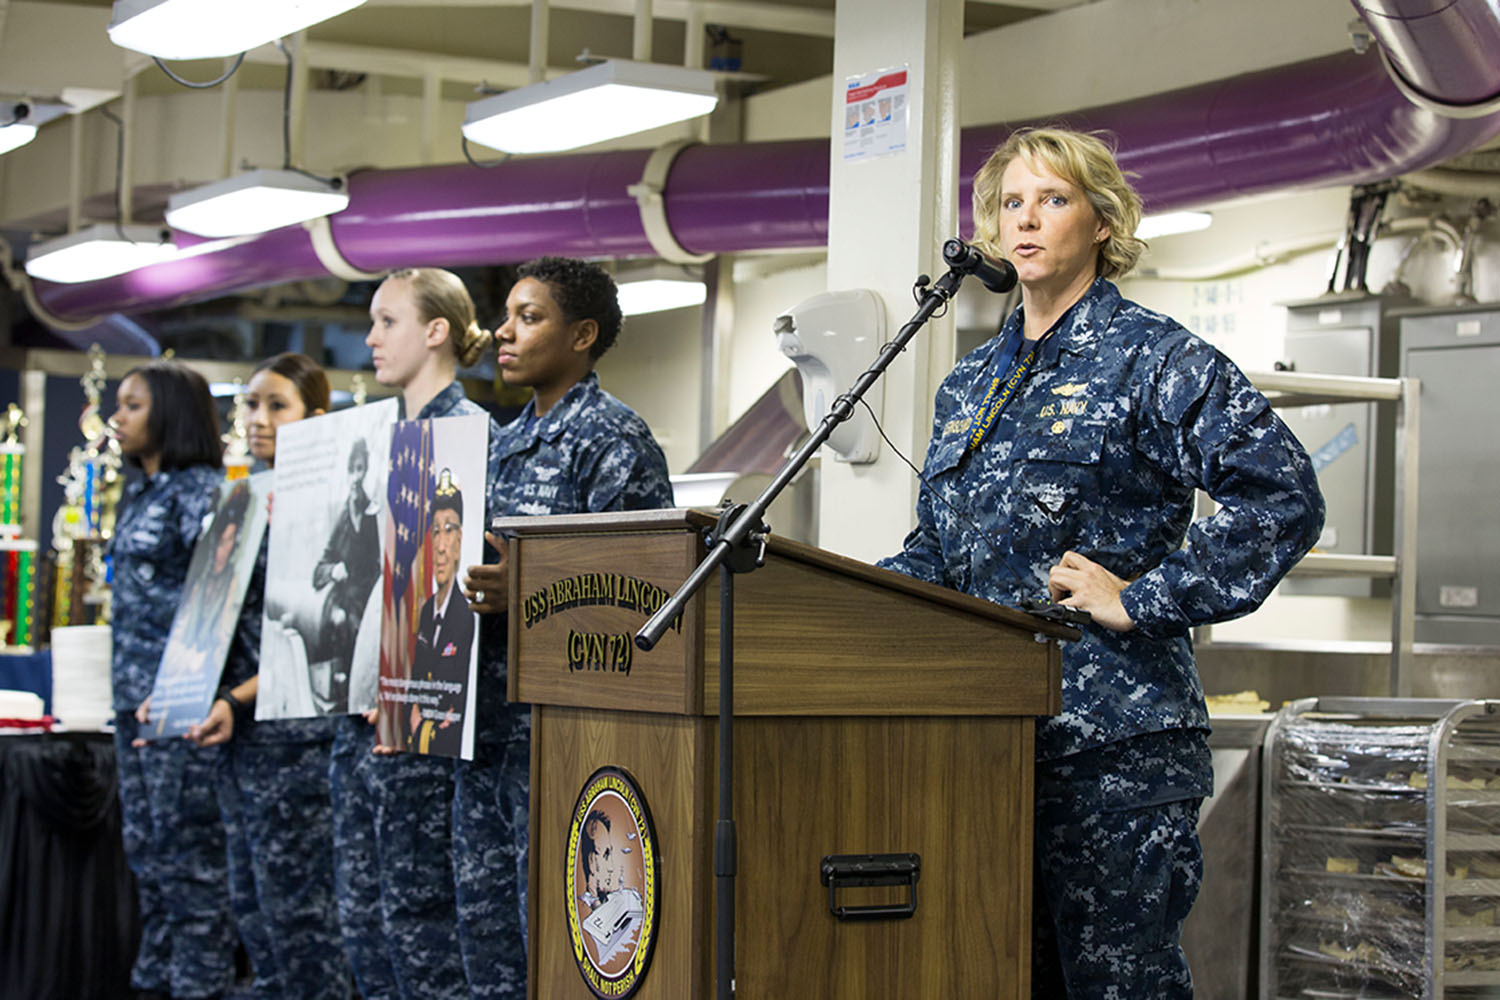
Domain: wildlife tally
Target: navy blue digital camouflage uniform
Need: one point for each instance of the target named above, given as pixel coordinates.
(1122, 416)
(589, 452)
(171, 828)
(393, 846)
(278, 819)
(356, 869)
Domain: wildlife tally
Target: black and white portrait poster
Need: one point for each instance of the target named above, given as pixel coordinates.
(320, 647)
(203, 627)
(434, 529)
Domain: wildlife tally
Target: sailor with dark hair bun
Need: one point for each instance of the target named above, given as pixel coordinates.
(281, 873)
(445, 631)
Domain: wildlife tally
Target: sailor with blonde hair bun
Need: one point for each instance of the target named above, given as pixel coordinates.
(392, 839)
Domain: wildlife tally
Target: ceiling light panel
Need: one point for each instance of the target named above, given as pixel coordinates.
(99, 251)
(209, 29)
(606, 101)
(254, 202)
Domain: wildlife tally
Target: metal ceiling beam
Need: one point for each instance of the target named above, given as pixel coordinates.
(405, 62)
(731, 13)
(379, 61)
(1036, 4)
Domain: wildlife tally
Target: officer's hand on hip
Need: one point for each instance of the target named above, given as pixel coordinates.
(1079, 582)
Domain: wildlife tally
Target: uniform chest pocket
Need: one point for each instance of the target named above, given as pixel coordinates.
(1056, 484)
(149, 537)
(947, 454)
(549, 486)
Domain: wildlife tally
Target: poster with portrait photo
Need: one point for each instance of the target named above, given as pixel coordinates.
(203, 627)
(320, 643)
(434, 529)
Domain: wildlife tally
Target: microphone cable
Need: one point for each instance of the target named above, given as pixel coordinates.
(1042, 607)
(937, 494)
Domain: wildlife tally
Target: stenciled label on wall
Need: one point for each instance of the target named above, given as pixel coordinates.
(591, 650)
(613, 884)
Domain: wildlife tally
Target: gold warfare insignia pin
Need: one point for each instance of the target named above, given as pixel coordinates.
(614, 884)
(1070, 388)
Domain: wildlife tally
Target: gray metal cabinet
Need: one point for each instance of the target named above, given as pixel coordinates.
(1456, 355)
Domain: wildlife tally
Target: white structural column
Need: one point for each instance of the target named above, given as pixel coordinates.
(229, 102)
(887, 220)
(301, 81)
(432, 99)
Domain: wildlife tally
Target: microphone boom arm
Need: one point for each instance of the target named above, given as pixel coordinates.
(745, 528)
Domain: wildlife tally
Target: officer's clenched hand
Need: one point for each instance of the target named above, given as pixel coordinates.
(1079, 582)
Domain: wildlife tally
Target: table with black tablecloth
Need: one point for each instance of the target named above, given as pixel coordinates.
(68, 927)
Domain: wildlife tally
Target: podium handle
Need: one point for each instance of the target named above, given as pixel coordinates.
(843, 871)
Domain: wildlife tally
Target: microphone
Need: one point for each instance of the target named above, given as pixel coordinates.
(996, 275)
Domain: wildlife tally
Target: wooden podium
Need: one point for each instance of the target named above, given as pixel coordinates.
(875, 714)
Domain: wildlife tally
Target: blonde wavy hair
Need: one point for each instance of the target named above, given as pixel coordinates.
(1085, 159)
(440, 294)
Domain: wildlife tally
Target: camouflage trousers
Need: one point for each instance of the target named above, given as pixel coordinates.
(255, 938)
(394, 868)
(174, 842)
(491, 824)
(1113, 886)
(280, 827)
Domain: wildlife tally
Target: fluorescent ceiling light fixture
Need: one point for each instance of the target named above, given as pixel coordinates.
(605, 101)
(254, 202)
(1172, 223)
(13, 136)
(209, 29)
(659, 289)
(99, 251)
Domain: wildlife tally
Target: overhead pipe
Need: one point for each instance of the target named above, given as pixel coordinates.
(1467, 32)
(1338, 120)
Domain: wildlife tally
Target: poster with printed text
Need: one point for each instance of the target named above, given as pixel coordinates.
(434, 530)
(202, 631)
(875, 107)
(320, 644)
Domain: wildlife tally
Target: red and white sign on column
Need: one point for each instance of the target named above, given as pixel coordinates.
(875, 114)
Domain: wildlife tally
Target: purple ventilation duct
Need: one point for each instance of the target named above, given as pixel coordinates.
(1333, 121)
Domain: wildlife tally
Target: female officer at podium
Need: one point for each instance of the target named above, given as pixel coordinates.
(1063, 461)
(573, 449)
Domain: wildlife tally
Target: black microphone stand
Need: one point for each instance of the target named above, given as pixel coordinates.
(737, 544)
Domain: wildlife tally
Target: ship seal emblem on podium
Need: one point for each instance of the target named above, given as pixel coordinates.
(613, 884)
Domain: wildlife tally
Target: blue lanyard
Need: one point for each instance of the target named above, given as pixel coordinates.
(1000, 392)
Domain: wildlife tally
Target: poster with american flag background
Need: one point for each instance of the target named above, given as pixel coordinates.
(435, 496)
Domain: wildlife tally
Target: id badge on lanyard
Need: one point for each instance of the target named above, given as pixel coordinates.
(1000, 392)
